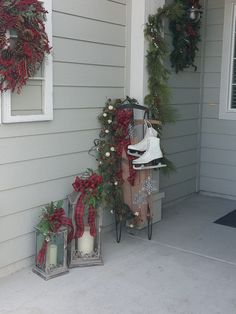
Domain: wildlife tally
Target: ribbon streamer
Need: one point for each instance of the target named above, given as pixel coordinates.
(124, 118)
(79, 214)
(85, 186)
(40, 259)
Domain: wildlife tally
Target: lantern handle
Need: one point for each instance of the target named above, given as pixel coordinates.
(132, 104)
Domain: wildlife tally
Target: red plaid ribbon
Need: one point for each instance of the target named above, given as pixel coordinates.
(124, 118)
(84, 186)
(79, 215)
(40, 259)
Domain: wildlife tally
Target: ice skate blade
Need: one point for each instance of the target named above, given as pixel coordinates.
(144, 167)
(134, 153)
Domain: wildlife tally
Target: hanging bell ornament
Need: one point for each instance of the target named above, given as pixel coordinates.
(194, 14)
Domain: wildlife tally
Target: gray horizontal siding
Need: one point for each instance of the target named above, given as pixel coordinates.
(71, 97)
(88, 29)
(64, 121)
(34, 195)
(83, 53)
(15, 149)
(180, 190)
(180, 139)
(69, 74)
(34, 171)
(104, 11)
(218, 138)
(39, 160)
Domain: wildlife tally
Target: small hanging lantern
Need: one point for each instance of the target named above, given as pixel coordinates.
(52, 235)
(86, 216)
(194, 14)
(194, 11)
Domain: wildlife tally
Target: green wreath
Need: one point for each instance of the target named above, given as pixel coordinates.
(21, 56)
(186, 35)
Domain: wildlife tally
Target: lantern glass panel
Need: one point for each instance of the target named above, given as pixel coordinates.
(54, 256)
(86, 250)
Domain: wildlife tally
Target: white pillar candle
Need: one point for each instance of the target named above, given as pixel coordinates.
(86, 242)
(52, 254)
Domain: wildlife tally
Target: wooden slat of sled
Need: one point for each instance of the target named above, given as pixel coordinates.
(141, 121)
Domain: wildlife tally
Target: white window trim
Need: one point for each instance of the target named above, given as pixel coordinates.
(47, 88)
(225, 112)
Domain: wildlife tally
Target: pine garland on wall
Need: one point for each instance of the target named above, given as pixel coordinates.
(159, 94)
(158, 99)
(181, 15)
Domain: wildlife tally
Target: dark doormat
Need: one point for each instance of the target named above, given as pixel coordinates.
(228, 220)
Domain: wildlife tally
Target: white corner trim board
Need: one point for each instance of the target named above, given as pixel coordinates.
(138, 12)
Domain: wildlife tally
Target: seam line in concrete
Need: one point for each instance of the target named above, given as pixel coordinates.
(186, 251)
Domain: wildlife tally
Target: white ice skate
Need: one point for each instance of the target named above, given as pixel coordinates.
(138, 149)
(152, 158)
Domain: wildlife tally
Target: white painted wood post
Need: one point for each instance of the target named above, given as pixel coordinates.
(136, 73)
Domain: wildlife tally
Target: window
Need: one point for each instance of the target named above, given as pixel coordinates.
(35, 102)
(228, 69)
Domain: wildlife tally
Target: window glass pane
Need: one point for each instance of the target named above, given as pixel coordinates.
(234, 72)
(233, 64)
(39, 73)
(233, 102)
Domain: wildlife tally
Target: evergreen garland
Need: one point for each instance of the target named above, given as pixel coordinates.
(186, 36)
(158, 99)
(159, 94)
(113, 139)
(46, 226)
(185, 39)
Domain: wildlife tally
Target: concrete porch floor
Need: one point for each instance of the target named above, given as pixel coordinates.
(189, 267)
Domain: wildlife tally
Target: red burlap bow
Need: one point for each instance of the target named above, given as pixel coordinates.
(85, 186)
(56, 220)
